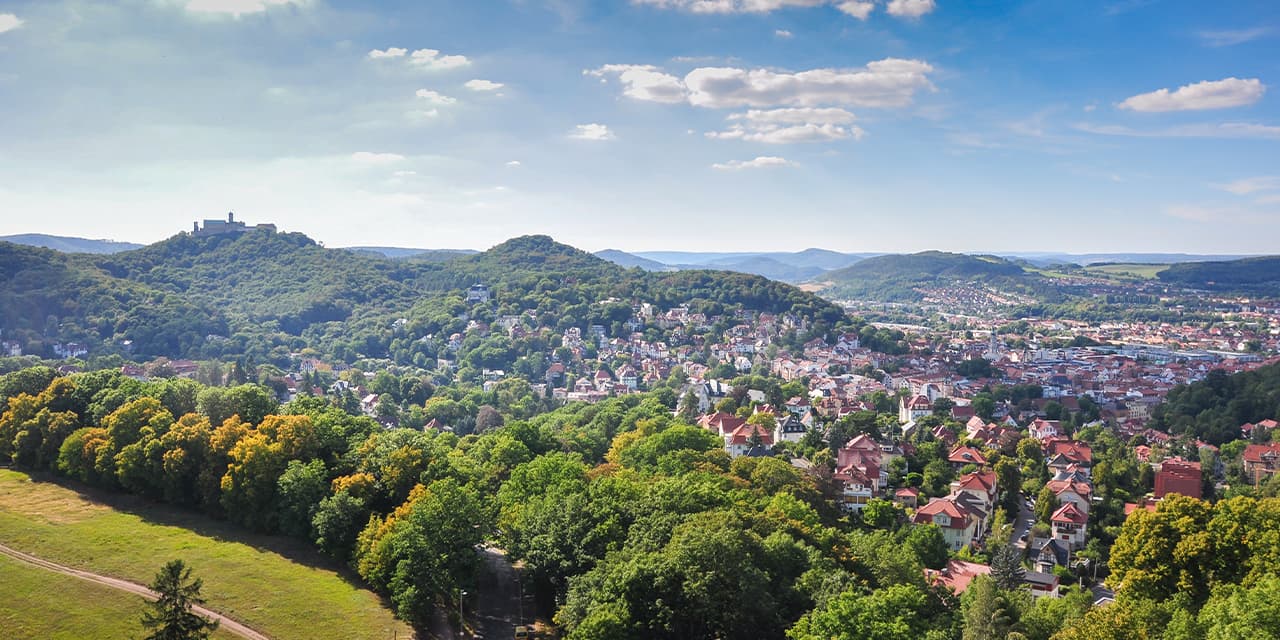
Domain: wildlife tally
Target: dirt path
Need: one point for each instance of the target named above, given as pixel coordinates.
(124, 585)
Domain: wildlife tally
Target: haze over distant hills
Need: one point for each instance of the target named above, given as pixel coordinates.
(70, 245)
(832, 268)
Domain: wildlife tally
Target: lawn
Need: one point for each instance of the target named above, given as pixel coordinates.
(280, 587)
(35, 603)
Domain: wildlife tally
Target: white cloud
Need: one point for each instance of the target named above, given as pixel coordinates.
(372, 158)
(891, 82)
(1210, 94)
(593, 131)
(483, 85)
(643, 82)
(9, 22)
(1232, 37)
(729, 6)
(404, 174)
(782, 33)
(789, 126)
(1246, 186)
(389, 52)
(859, 9)
(513, 163)
(434, 97)
(423, 114)
(431, 59)
(236, 7)
(759, 162)
(1249, 130)
(910, 8)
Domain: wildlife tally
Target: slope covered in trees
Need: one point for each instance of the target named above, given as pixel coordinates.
(1213, 409)
(1261, 274)
(263, 295)
(896, 277)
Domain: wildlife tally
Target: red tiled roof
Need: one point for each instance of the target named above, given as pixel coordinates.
(1069, 513)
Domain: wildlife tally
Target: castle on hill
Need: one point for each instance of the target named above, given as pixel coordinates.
(218, 227)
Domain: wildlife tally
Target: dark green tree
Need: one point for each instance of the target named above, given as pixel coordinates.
(171, 617)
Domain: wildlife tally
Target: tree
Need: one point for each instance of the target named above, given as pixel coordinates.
(171, 617)
(893, 613)
(929, 546)
(879, 514)
(1006, 567)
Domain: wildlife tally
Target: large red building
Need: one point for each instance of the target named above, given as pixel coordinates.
(1179, 476)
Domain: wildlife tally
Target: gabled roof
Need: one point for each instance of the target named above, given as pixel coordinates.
(966, 455)
(1068, 513)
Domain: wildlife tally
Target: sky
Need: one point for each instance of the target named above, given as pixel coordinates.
(700, 125)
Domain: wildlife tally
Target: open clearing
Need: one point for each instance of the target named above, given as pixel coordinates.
(35, 603)
(278, 586)
(1145, 271)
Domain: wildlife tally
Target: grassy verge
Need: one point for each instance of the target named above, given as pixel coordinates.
(278, 586)
(35, 603)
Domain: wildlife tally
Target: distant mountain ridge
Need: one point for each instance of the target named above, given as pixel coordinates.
(68, 244)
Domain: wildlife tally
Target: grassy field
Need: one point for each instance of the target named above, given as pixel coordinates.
(35, 603)
(278, 586)
(1145, 271)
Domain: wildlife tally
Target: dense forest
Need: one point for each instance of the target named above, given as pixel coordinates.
(1256, 275)
(898, 278)
(632, 522)
(1213, 409)
(262, 296)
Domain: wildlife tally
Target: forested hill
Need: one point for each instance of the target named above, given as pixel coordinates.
(264, 295)
(1214, 408)
(1249, 274)
(896, 277)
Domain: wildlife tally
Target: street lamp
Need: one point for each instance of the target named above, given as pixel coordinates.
(462, 623)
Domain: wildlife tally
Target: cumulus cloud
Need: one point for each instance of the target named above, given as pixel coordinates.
(431, 59)
(513, 163)
(788, 126)
(759, 162)
(236, 7)
(1210, 94)
(891, 82)
(859, 9)
(1232, 37)
(1246, 186)
(389, 52)
(782, 33)
(593, 131)
(9, 22)
(433, 97)
(372, 158)
(643, 82)
(483, 85)
(910, 8)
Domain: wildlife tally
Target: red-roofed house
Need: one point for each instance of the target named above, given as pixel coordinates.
(961, 456)
(740, 442)
(1179, 476)
(917, 407)
(1260, 461)
(959, 525)
(957, 574)
(1069, 525)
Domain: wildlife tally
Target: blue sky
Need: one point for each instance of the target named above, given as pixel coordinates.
(856, 125)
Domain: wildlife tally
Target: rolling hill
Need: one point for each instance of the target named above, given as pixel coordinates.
(1251, 275)
(262, 295)
(67, 244)
(896, 277)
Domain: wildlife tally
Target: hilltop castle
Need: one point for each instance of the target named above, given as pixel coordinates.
(216, 227)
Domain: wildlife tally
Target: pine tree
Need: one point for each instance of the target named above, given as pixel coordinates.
(171, 617)
(1006, 567)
